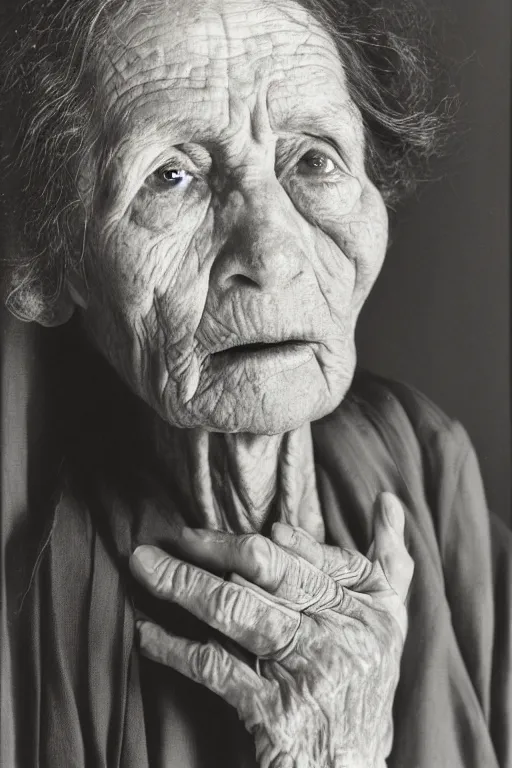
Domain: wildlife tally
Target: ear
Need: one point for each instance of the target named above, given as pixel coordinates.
(29, 304)
(59, 314)
(73, 293)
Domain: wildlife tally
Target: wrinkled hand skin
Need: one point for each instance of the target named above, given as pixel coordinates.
(327, 624)
(255, 242)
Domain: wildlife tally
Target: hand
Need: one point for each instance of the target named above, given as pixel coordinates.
(326, 624)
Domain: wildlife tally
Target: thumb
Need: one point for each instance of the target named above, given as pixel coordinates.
(389, 548)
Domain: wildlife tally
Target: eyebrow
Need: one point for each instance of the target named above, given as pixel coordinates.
(335, 125)
(331, 121)
(342, 129)
(333, 142)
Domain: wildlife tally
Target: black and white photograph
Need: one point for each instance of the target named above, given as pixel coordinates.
(255, 384)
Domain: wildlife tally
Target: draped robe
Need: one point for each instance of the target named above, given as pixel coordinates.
(81, 694)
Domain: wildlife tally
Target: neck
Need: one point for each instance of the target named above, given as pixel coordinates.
(242, 482)
(233, 482)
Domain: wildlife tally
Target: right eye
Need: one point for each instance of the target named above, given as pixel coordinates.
(173, 177)
(316, 164)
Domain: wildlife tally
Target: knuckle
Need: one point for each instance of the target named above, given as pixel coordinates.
(350, 566)
(248, 544)
(334, 559)
(342, 598)
(205, 662)
(165, 574)
(287, 637)
(298, 537)
(221, 607)
(361, 568)
(228, 605)
(173, 578)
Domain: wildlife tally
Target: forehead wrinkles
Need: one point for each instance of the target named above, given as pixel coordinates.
(201, 59)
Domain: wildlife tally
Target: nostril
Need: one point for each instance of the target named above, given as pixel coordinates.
(241, 281)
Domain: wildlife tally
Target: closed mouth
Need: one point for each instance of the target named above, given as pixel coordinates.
(261, 346)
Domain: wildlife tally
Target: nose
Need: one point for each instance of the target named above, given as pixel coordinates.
(264, 250)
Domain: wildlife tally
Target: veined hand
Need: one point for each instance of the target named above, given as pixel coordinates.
(327, 625)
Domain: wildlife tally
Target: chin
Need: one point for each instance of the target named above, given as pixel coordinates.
(267, 406)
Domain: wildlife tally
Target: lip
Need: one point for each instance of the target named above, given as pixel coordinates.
(293, 351)
(260, 341)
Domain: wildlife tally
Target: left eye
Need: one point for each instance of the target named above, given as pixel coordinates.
(315, 163)
(173, 177)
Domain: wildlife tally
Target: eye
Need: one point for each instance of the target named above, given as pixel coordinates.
(315, 163)
(173, 177)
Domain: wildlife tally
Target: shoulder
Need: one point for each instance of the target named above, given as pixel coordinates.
(387, 435)
(380, 415)
(392, 403)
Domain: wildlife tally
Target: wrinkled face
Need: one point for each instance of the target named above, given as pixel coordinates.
(235, 233)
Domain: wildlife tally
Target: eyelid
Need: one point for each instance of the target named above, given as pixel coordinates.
(292, 163)
(193, 175)
(340, 158)
(175, 163)
(180, 160)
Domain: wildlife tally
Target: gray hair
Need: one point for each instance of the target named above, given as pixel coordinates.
(49, 92)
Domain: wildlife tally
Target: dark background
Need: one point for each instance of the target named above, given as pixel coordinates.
(440, 316)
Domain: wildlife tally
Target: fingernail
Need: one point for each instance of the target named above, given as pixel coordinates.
(147, 558)
(393, 512)
(282, 534)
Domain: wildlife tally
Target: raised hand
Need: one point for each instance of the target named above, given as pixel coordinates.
(327, 626)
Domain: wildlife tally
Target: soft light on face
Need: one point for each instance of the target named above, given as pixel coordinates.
(235, 234)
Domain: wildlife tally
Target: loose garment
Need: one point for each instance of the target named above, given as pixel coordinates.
(83, 697)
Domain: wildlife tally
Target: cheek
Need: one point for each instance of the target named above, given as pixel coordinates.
(368, 243)
(147, 255)
(148, 291)
(349, 265)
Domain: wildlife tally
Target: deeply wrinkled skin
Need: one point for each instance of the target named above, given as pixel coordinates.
(229, 205)
(251, 239)
(328, 625)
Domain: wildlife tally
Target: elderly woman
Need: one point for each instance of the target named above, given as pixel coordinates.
(225, 574)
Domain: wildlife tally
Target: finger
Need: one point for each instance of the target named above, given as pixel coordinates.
(347, 567)
(253, 620)
(252, 556)
(209, 664)
(260, 562)
(390, 550)
(292, 595)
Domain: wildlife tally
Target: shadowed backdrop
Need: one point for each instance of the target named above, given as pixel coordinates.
(439, 316)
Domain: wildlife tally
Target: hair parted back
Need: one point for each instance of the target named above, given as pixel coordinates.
(49, 95)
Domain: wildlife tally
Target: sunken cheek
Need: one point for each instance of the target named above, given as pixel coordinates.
(351, 240)
(159, 251)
